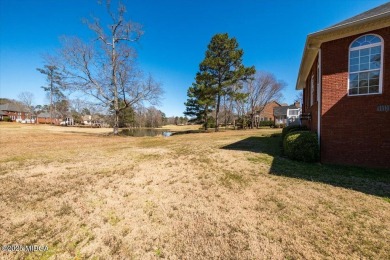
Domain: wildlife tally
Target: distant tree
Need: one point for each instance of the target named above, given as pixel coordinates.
(62, 107)
(126, 117)
(154, 117)
(223, 67)
(261, 90)
(54, 79)
(105, 69)
(164, 118)
(27, 98)
(4, 101)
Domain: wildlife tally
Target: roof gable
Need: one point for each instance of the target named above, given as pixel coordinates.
(376, 18)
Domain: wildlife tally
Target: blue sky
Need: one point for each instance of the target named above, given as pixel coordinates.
(272, 34)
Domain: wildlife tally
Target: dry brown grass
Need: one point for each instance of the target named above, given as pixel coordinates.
(85, 194)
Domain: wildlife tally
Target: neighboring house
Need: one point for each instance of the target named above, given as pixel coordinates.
(345, 77)
(266, 114)
(68, 121)
(93, 120)
(15, 112)
(44, 118)
(287, 115)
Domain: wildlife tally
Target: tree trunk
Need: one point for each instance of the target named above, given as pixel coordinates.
(225, 108)
(51, 101)
(217, 113)
(205, 120)
(116, 122)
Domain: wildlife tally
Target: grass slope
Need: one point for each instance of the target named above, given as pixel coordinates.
(226, 195)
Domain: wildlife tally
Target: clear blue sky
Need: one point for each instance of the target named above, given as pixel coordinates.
(272, 34)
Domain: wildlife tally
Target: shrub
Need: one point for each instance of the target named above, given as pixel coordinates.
(210, 122)
(266, 123)
(301, 146)
(292, 128)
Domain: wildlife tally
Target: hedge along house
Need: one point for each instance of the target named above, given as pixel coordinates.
(345, 77)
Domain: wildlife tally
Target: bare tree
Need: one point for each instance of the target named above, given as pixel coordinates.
(27, 99)
(105, 69)
(261, 90)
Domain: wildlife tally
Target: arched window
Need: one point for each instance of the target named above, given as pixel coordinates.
(365, 65)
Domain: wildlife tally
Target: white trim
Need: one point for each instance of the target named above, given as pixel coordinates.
(380, 70)
(319, 101)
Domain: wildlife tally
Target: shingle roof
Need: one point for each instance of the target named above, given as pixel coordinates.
(47, 115)
(282, 111)
(382, 9)
(12, 107)
(2, 113)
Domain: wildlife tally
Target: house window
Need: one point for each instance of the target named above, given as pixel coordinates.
(365, 65)
(312, 90)
(293, 112)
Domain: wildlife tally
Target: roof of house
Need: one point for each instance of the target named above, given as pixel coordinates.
(282, 111)
(370, 20)
(12, 107)
(2, 113)
(47, 115)
(379, 10)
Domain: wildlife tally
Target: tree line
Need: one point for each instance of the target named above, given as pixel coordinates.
(77, 109)
(105, 71)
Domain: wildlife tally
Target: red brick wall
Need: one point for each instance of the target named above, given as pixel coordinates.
(268, 111)
(46, 120)
(352, 130)
(15, 115)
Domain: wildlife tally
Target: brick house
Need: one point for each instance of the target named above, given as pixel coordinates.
(345, 77)
(44, 118)
(266, 114)
(14, 112)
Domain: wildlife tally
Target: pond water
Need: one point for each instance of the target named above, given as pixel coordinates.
(139, 132)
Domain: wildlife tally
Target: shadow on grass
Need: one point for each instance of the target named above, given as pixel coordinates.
(370, 181)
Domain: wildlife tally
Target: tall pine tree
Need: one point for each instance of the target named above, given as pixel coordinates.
(222, 68)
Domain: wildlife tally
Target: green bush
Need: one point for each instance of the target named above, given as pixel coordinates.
(210, 122)
(266, 123)
(292, 128)
(301, 146)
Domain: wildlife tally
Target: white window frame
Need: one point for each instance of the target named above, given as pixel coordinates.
(319, 81)
(381, 68)
(312, 90)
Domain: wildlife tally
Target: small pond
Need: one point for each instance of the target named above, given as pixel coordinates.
(139, 132)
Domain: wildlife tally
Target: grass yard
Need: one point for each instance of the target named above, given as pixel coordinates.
(227, 195)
